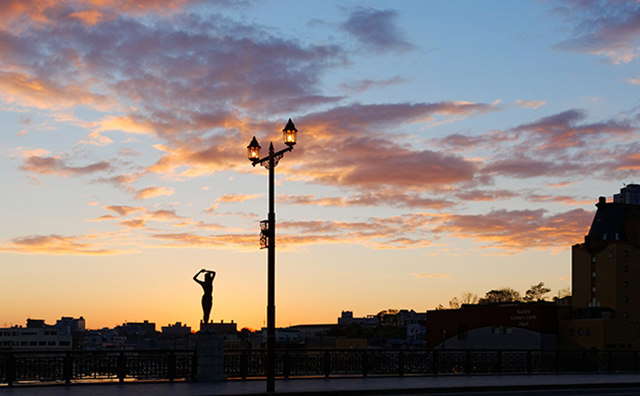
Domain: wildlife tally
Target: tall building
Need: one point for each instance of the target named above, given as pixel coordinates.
(629, 194)
(605, 273)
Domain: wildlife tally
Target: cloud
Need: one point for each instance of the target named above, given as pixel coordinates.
(106, 217)
(164, 215)
(425, 275)
(563, 131)
(361, 86)
(123, 210)
(634, 81)
(563, 199)
(152, 192)
(128, 124)
(531, 104)
(231, 198)
(56, 244)
(565, 145)
(380, 198)
(40, 92)
(193, 240)
(609, 29)
(376, 30)
(134, 223)
(518, 229)
(482, 195)
(238, 197)
(129, 152)
(58, 166)
(96, 139)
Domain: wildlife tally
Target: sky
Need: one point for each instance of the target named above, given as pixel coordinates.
(443, 147)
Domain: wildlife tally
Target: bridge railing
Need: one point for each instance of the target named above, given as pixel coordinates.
(78, 366)
(364, 362)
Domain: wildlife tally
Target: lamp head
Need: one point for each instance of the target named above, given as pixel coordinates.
(289, 133)
(253, 150)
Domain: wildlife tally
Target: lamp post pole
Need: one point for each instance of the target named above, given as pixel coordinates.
(269, 237)
(271, 279)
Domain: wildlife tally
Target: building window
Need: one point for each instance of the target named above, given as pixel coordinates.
(497, 330)
(24, 343)
(626, 268)
(42, 343)
(52, 343)
(626, 315)
(625, 283)
(33, 343)
(593, 289)
(593, 259)
(593, 274)
(588, 332)
(626, 253)
(65, 343)
(508, 330)
(626, 299)
(580, 332)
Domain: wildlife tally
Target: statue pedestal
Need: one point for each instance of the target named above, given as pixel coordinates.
(210, 352)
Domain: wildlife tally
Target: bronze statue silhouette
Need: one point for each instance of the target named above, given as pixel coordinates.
(207, 288)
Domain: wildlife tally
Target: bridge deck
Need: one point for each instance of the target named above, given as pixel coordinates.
(354, 386)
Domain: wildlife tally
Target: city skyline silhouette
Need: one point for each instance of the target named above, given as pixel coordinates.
(441, 149)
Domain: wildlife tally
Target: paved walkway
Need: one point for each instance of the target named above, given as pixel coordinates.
(336, 386)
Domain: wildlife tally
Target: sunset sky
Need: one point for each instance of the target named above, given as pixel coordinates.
(443, 147)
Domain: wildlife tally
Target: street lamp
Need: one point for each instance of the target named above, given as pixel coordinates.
(268, 239)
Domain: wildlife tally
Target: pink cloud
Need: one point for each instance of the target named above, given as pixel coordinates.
(58, 166)
(152, 192)
(123, 210)
(609, 29)
(56, 244)
(518, 229)
(133, 223)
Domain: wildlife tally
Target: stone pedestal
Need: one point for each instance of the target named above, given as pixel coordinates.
(210, 351)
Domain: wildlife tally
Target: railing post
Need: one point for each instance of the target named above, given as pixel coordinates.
(122, 366)
(467, 362)
(584, 361)
(327, 364)
(610, 358)
(67, 368)
(499, 362)
(401, 363)
(171, 366)
(286, 364)
(11, 369)
(635, 361)
(529, 362)
(436, 362)
(365, 363)
(244, 364)
(557, 361)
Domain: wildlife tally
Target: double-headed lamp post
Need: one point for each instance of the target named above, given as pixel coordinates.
(268, 239)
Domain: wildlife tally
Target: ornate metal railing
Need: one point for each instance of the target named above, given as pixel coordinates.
(21, 367)
(364, 362)
(78, 366)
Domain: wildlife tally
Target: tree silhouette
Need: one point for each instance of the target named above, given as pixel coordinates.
(502, 295)
(536, 292)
